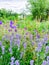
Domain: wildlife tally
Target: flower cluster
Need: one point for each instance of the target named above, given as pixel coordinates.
(21, 47)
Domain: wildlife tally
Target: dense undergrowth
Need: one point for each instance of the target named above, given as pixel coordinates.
(24, 43)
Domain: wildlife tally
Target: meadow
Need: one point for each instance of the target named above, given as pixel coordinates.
(24, 42)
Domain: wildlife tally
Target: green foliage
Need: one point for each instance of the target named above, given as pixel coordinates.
(38, 9)
(7, 15)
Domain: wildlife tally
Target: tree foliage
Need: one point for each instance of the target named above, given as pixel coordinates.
(9, 15)
(38, 8)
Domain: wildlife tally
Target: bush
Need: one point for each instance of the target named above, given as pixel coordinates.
(38, 9)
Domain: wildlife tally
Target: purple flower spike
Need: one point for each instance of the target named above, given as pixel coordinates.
(12, 59)
(24, 45)
(47, 57)
(18, 43)
(0, 43)
(10, 30)
(25, 28)
(47, 49)
(31, 62)
(47, 62)
(31, 36)
(33, 43)
(26, 33)
(12, 63)
(10, 50)
(18, 36)
(11, 22)
(17, 62)
(38, 49)
(3, 49)
(44, 62)
(12, 26)
(0, 22)
(38, 36)
(15, 30)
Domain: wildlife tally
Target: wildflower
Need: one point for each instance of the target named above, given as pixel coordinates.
(17, 62)
(11, 22)
(18, 36)
(0, 43)
(3, 49)
(0, 22)
(44, 62)
(12, 59)
(38, 36)
(47, 62)
(47, 57)
(47, 49)
(10, 43)
(33, 43)
(31, 62)
(12, 63)
(26, 33)
(31, 36)
(45, 39)
(24, 45)
(13, 26)
(11, 39)
(18, 43)
(25, 28)
(10, 30)
(15, 30)
(39, 47)
(10, 49)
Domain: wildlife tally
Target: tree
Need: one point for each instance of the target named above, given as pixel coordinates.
(8, 15)
(38, 9)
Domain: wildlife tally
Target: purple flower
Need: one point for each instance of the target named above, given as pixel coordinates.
(0, 43)
(25, 28)
(3, 49)
(0, 22)
(44, 62)
(45, 39)
(32, 62)
(12, 59)
(31, 36)
(35, 31)
(15, 30)
(47, 49)
(26, 33)
(47, 62)
(38, 36)
(47, 57)
(39, 44)
(11, 39)
(33, 43)
(18, 36)
(12, 26)
(24, 45)
(12, 63)
(39, 47)
(10, 43)
(24, 36)
(17, 62)
(10, 49)
(11, 22)
(10, 30)
(18, 43)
